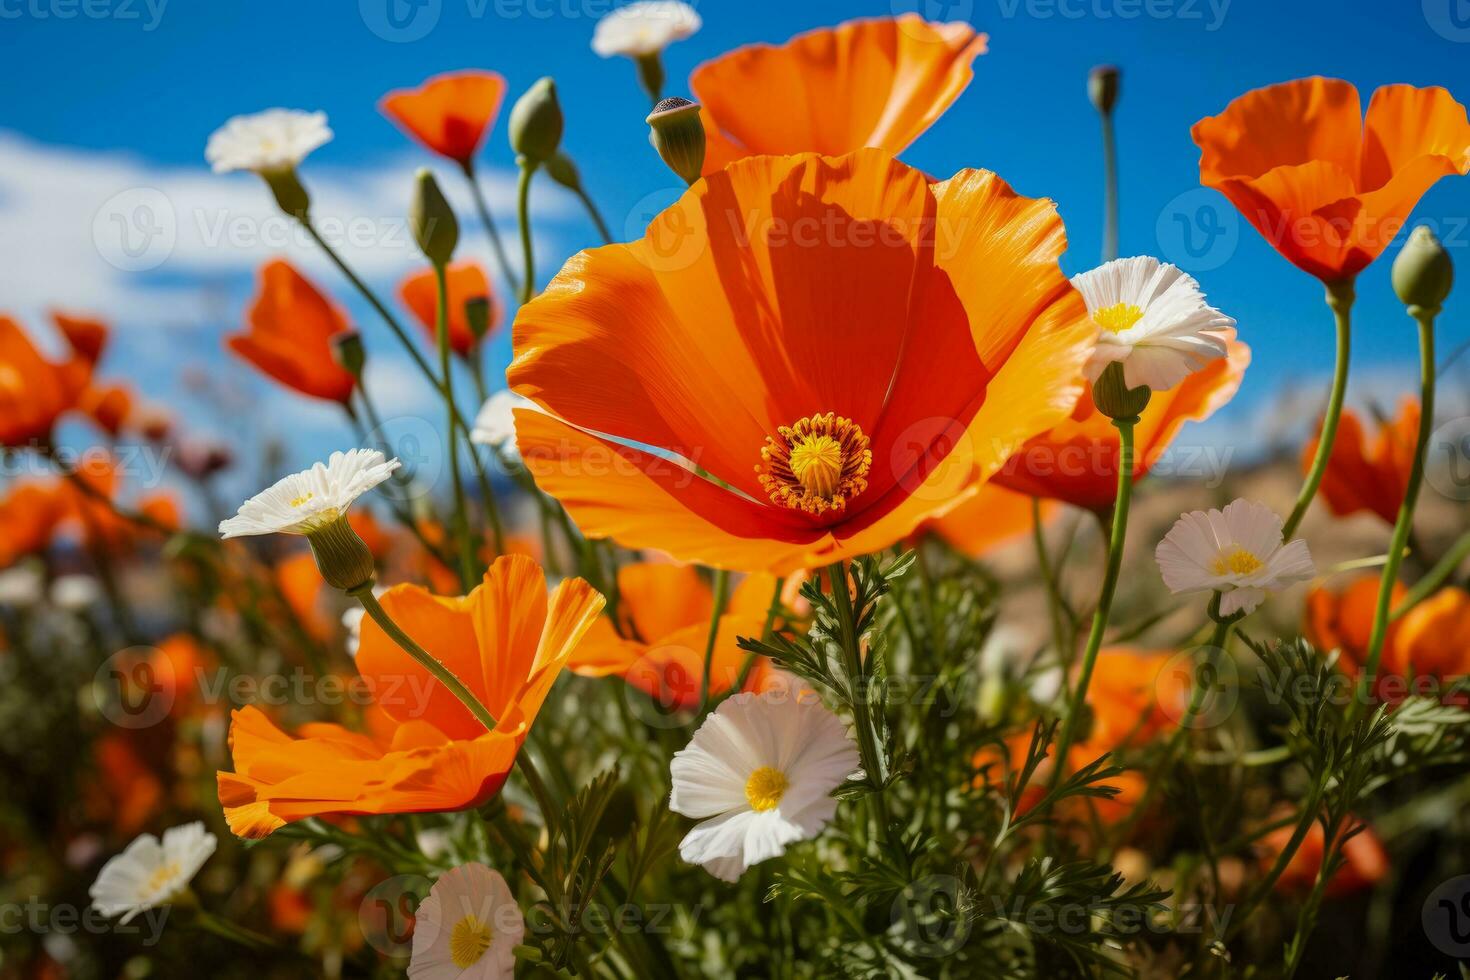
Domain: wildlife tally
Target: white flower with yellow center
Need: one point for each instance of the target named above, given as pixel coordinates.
(305, 502)
(1237, 551)
(467, 928)
(760, 773)
(645, 28)
(266, 142)
(152, 872)
(1153, 318)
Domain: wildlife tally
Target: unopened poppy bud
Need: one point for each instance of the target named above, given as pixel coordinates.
(677, 133)
(348, 350)
(1113, 397)
(477, 315)
(1423, 272)
(291, 196)
(1102, 87)
(432, 219)
(561, 169)
(536, 123)
(342, 557)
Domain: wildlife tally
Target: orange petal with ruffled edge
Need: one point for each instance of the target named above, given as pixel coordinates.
(85, 335)
(990, 519)
(449, 113)
(34, 392)
(288, 335)
(879, 83)
(1364, 475)
(464, 280)
(1434, 636)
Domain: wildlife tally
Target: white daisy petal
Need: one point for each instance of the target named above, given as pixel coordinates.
(150, 872)
(495, 425)
(1237, 551)
(269, 141)
(303, 502)
(644, 28)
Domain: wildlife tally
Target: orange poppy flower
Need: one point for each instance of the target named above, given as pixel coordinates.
(1343, 621)
(842, 349)
(1077, 461)
(303, 589)
(289, 329)
(1434, 637)
(101, 525)
(424, 752)
(993, 517)
(1135, 696)
(465, 280)
(1328, 189)
(127, 791)
(30, 512)
(108, 405)
(86, 336)
(1363, 476)
(449, 113)
(659, 648)
(34, 392)
(1365, 865)
(879, 82)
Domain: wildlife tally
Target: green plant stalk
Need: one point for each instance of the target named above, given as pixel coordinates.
(1054, 602)
(595, 215)
(722, 597)
(1105, 599)
(1340, 299)
(1404, 524)
(1435, 577)
(1110, 189)
(523, 218)
(467, 574)
(496, 245)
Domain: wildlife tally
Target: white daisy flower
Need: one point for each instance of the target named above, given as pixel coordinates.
(645, 28)
(75, 593)
(308, 501)
(1154, 319)
(266, 142)
(21, 587)
(1237, 551)
(467, 929)
(760, 773)
(152, 873)
(495, 426)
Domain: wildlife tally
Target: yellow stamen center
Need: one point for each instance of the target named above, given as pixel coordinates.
(162, 875)
(1237, 562)
(816, 465)
(1117, 318)
(302, 500)
(468, 941)
(765, 787)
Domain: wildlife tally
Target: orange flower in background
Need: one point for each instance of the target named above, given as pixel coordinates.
(449, 113)
(1365, 865)
(109, 405)
(101, 525)
(793, 327)
(993, 517)
(86, 336)
(30, 512)
(465, 280)
(878, 83)
(424, 752)
(1369, 476)
(1434, 638)
(659, 646)
(1327, 188)
(1077, 460)
(34, 392)
(303, 589)
(289, 331)
(1343, 620)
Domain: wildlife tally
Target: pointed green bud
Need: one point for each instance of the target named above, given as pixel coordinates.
(1422, 271)
(1102, 87)
(562, 170)
(348, 350)
(477, 314)
(677, 134)
(291, 196)
(1113, 397)
(432, 219)
(342, 557)
(536, 123)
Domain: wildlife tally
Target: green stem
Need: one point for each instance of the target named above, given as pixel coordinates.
(496, 245)
(1105, 599)
(1110, 189)
(595, 215)
(523, 218)
(1340, 300)
(1436, 576)
(1405, 522)
(1054, 601)
(461, 512)
(722, 596)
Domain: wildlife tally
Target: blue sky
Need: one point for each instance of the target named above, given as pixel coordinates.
(110, 96)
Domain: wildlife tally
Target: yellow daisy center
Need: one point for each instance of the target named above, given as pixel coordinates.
(468, 941)
(816, 465)
(162, 876)
(1118, 317)
(303, 500)
(1237, 562)
(765, 787)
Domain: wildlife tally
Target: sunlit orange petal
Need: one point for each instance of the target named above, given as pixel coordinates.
(449, 113)
(465, 280)
(289, 328)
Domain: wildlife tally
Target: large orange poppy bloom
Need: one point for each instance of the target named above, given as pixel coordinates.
(1371, 476)
(449, 113)
(34, 392)
(1077, 461)
(840, 348)
(289, 331)
(879, 82)
(464, 281)
(424, 752)
(1328, 189)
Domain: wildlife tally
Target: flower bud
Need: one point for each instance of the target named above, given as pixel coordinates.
(536, 123)
(477, 315)
(561, 169)
(1102, 87)
(291, 196)
(1422, 271)
(677, 133)
(432, 219)
(342, 557)
(348, 350)
(1113, 397)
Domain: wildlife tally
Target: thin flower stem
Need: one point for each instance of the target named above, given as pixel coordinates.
(1435, 577)
(595, 215)
(1105, 598)
(236, 933)
(1110, 189)
(496, 245)
(1054, 601)
(749, 663)
(461, 512)
(1340, 299)
(722, 596)
(523, 218)
(1403, 526)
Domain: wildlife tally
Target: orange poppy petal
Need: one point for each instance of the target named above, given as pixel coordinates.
(449, 113)
(1304, 121)
(1404, 126)
(661, 598)
(465, 280)
(993, 517)
(290, 326)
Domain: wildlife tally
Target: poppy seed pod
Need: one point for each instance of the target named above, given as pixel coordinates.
(1102, 87)
(348, 350)
(1113, 397)
(1423, 272)
(562, 170)
(432, 219)
(536, 122)
(677, 133)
